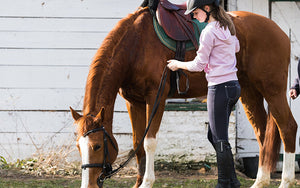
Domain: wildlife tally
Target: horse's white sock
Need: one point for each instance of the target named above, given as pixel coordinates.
(262, 178)
(149, 177)
(288, 170)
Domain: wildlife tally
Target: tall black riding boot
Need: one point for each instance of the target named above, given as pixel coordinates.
(226, 174)
(234, 182)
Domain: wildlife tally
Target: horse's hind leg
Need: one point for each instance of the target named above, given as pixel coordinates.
(254, 108)
(287, 126)
(137, 114)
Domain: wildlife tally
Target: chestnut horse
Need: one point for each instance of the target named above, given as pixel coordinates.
(131, 61)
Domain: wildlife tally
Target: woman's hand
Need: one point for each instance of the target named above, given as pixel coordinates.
(293, 93)
(173, 64)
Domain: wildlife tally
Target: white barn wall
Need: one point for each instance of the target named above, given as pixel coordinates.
(255, 6)
(45, 51)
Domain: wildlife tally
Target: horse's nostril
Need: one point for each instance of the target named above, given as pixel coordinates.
(96, 147)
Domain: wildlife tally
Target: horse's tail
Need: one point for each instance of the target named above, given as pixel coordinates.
(271, 145)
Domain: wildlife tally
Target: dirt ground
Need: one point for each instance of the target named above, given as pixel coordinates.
(197, 174)
(130, 172)
(163, 171)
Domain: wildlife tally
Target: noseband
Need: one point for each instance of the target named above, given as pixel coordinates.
(106, 167)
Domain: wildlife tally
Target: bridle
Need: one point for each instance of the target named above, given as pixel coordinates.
(107, 171)
(106, 166)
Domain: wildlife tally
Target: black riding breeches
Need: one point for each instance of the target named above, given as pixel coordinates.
(221, 99)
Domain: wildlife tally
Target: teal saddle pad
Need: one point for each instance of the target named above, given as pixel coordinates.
(170, 43)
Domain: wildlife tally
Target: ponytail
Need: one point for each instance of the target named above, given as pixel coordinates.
(223, 18)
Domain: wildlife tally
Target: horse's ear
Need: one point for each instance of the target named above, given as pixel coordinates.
(100, 115)
(75, 115)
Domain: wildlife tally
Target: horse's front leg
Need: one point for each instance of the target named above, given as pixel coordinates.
(150, 141)
(149, 176)
(137, 114)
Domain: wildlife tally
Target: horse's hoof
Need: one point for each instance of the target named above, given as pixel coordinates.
(147, 184)
(260, 184)
(286, 183)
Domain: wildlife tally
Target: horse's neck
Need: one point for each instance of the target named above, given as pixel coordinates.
(108, 69)
(98, 69)
(103, 89)
(93, 83)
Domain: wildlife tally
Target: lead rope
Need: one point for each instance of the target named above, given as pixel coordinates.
(159, 94)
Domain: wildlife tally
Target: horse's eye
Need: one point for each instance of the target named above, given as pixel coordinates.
(96, 147)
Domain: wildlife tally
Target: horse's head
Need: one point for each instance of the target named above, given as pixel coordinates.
(97, 146)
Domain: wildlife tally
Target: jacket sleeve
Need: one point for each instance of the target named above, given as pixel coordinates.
(296, 82)
(296, 86)
(202, 58)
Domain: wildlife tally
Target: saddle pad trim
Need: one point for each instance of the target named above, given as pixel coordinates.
(170, 43)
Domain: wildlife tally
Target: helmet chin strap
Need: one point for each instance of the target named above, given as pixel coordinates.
(207, 14)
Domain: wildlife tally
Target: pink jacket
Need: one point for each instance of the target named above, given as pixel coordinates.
(216, 55)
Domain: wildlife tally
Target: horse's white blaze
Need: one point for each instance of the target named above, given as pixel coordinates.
(288, 170)
(83, 144)
(262, 178)
(149, 177)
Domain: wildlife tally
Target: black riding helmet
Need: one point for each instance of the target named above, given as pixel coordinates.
(194, 4)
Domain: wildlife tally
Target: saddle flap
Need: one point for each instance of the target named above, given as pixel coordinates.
(175, 23)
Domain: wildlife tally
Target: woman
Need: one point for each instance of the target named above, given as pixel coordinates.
(216, 56)
(294, 91)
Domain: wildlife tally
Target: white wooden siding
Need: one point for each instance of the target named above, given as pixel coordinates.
(46, 48)
(68, 8)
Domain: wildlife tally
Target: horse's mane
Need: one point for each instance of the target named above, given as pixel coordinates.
(102, 60)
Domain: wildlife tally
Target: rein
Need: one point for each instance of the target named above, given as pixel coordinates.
(107, 171)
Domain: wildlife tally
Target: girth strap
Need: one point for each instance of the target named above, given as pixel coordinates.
(180, 50)
(175, 75)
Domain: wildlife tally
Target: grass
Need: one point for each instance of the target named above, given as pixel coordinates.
(121, 183)
(45, 183)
